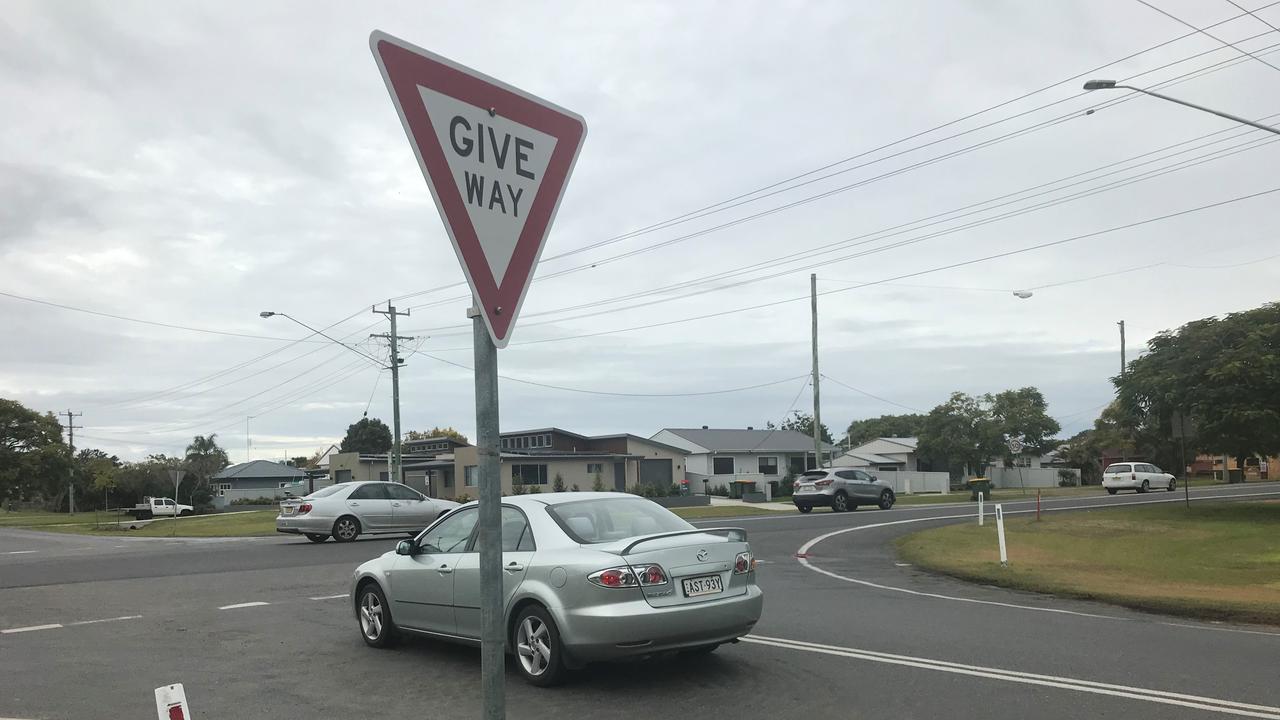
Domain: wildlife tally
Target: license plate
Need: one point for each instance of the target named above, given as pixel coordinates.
(288, 510)
(703, 585)
(807, 488)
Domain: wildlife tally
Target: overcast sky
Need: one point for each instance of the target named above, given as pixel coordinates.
(194, 164)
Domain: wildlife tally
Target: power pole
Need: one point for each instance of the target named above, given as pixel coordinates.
(392, 313)
(1123, 364)
(248, 443)
(817, 405)
(71, 452)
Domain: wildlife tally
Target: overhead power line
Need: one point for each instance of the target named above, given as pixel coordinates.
(870, 395)
(1211, 35)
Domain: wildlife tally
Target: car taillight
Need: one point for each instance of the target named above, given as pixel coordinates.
(823, 483)
(304, 508)
(744, 563)
(622, 577)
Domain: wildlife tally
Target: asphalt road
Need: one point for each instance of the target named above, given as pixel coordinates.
(258, 628)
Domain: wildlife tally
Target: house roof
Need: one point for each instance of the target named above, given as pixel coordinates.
(259, 469)
(436, 439)
(535, 431)
(909, 442)
(869, 458)
(629, 436)
(735, 440)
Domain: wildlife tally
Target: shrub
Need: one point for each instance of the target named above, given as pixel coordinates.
(573, 488)
(597, 483)
(255, 501)
(518, 489)
(635, 490)
(1066, 478)
(535, 489)
(558, 485)
(673, 491)
(463, 498)
(720, 490)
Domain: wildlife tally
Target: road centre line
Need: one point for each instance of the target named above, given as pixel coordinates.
(20, 552)
(804, 550)
(30, 628)
(237, 606)
(105, 620)
(1198, 702)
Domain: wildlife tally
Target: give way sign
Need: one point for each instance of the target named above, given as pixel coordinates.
(497, 160)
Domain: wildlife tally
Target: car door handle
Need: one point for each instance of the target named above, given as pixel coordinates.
(513, 567)
(395, 504)
(353, 504)
(444, 569)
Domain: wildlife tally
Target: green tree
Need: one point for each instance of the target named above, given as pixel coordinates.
(1083, 452)
(436, 431)
(803, 424)
(1023, 413)
(95, 476)
(204, 459)
(1223, 372)
(961, 435)
(861, 431)
(558, 485)
(597, 483)
(33, 458)
(370, 436)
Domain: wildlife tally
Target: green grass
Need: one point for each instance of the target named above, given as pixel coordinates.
(245, 524)
(694, 513)
(35, 518)
(1219, 560)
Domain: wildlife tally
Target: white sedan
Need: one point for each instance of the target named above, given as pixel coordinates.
(1140, 477)
(347, 510)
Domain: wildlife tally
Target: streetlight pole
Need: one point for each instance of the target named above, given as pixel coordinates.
(1112, 85)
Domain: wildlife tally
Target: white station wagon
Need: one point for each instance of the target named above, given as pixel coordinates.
(1137, 476)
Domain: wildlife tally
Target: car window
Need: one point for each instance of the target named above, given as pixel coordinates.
(326, 492)
(402, 492)
(516, 535)
(609, 519)
(1151, 468)
(451, 535)
(372, 491)
(1114, 469)
(812, 475)
(847, 474)
(864, 477)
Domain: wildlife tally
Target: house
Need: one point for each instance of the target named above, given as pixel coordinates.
(257, 479)
(886, 453)
(355, 467)
(721, 456)
(431, 445)
(536, 457)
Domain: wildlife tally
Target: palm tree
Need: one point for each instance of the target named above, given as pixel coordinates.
(204, 459)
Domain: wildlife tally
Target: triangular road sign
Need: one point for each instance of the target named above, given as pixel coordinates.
(497, 160)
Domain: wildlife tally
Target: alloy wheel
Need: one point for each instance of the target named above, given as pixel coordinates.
(532, 647)
(371, 615)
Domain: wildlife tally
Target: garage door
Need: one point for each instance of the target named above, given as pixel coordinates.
(656, 472)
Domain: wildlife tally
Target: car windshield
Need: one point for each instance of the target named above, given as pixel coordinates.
(1113, 469)
(326, 492)
(814, 475)
(608, 519)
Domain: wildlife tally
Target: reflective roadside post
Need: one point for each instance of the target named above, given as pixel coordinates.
(1004, 554)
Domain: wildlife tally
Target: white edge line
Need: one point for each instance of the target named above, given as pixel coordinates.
(20, 552)
(329, 597)
(236, 606)
(1213, 705)
(804, 549)
(30, 628)
(105, 620)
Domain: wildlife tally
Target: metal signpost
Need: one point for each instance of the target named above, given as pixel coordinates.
(176, 475)
(496, 160)
(1015, 447)
(1184, 427)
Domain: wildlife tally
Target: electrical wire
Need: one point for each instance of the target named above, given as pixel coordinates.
(870, 395)
(1254, 15)
(1211, 35)
(792, 406)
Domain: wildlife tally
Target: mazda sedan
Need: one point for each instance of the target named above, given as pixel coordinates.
(346, 511)
(587, 577)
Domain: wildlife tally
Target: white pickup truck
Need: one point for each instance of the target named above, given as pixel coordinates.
(152, 506)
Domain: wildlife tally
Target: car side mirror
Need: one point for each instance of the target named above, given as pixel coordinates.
(405, 547)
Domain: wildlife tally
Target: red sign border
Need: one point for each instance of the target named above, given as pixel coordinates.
(404, 68)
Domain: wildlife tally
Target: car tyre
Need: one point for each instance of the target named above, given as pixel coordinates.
(316, 537)
(840, 503)
(184, 513)
(1172, 485)
(374, 614)
(1111, 491)
(700, 651)
(887, 499)
(536, 641)
(1146, 486)
(804, 508)
(346, 529)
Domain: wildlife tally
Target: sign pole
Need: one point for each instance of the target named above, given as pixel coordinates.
(492, 640)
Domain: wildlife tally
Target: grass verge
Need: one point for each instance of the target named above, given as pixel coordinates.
(694, 513)
(245, 524)
(1214, 561)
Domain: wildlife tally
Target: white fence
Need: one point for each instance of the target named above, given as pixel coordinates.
(911, 481)
(1003, 477)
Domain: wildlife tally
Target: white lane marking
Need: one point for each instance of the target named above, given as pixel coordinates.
(237, 606)
(804, 550)
(329, 597)
(29, 628)
(21, 552)
(1198, 702)
(105, 620)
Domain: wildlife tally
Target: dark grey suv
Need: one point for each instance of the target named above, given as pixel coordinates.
(841, 489)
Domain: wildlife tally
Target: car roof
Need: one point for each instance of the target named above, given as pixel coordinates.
(559, 498)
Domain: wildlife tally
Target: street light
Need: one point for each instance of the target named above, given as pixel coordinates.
(1098, 84)
(268, 314)
(1022, 294)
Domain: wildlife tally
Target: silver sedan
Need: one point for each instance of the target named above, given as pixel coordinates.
(587, 577)
(348, 510)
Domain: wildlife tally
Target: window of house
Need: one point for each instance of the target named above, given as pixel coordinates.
(528, 474)
(795, 464)
(448, 478)
(469, 475)
(384, 475)
(768, 465)
(722, 466)
(546, 441)
(595, 468)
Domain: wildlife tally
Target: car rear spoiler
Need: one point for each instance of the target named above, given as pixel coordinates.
(734, 535)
